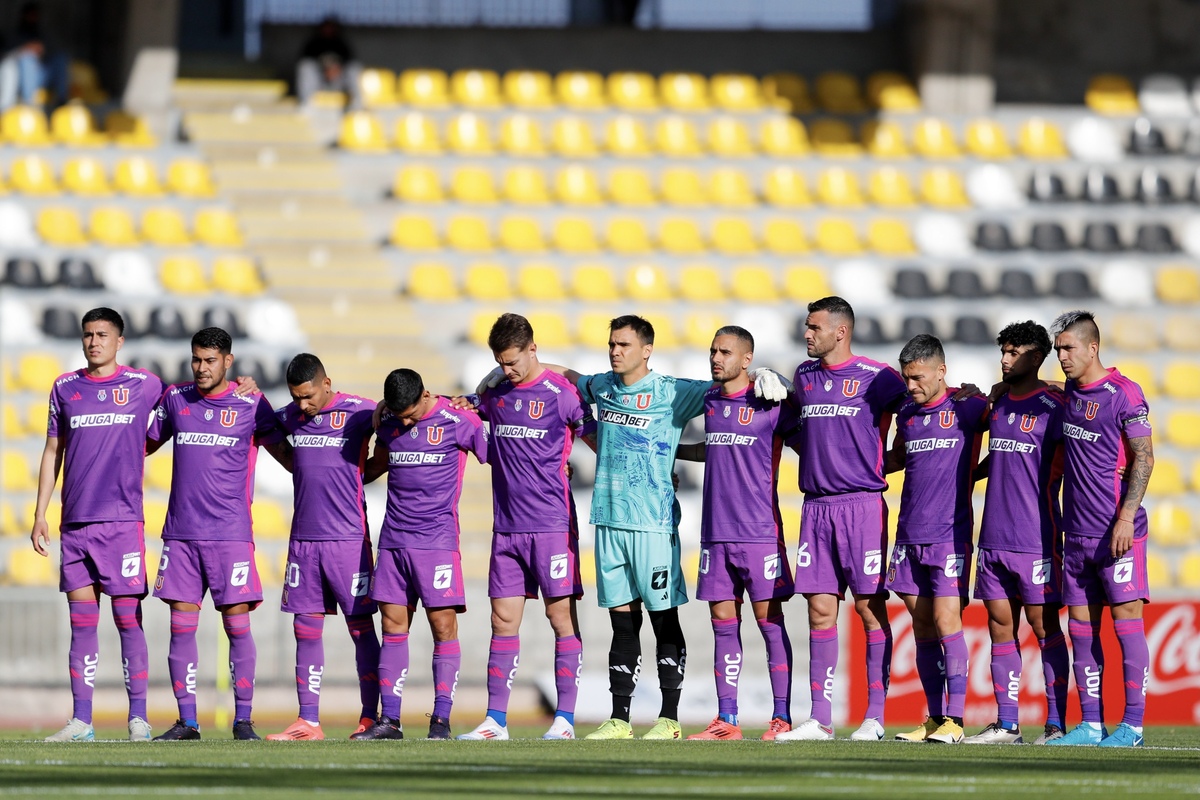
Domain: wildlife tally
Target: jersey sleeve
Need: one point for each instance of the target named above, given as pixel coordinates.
(689, 398)
(979, 416)
(266, 428)
(161, 428)
(154, 390)
(788, 424)
(1133, 412)
(888, 392)
(53, 413)
(473, 438)
(577, 413)
(585, 386)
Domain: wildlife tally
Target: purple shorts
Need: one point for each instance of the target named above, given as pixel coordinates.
(931, 570)
(111, 554)
(1032, 578)
(404, 576)
(1092, 576)
(523, 563)
(226, 570)
(758, 569)
(843, 543)
(324, 576)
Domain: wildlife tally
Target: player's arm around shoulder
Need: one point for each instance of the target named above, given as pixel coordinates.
(377, 464)
(690, 452)
(895, 458)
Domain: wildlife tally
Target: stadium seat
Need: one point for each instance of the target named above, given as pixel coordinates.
(1181, 380)
(630, 186)
(572, 137)
(481, 324)
(9, 525)
(487, 281)
(594, 283)
(520, 234)
(943, 188)
(1094, 140)
(13, 427)
(59, 322)
(418, 183)
(627, 236)
(378, 88)
(577, 185)
(1153, 237)
(912, 283)
(1153, 188)
(884, 139)
(580, 90)
(647, 283)
(676, 137)
(730, 188)
(751, 283)
(1132, 332)
(804, 283)
(932, 138)
(889, 237)
(156, 516)
(698, 328)
(271, 524)
(941, 236)
(1040, 139)
(222, 316)
(1158, 571)
(164, 226)
(540, 282)
(24, 273)
(681, 186)
(632, 91)
(552, 329)
(473, 186)
(992, 186)
(891, 91)
(1194, 479)
(476, 88)
(32, 174)
(684, 91)
(167, 322)
(1049, 237)
(416, 134)
(783, 137)
(680, 236)
(236, 275)
(787, 92)
(736, 93)
(432, 282)
(183, 275)
(965, 284)
(520, 135)
(986, 140)
(424, 88)
(85, 177)
(24, 126)
(784, 237)
(1100, 187)
(575, 235)
(733, 236)
(1183, 428)
(1164, 95)
(36, 372)
(18, 476)
(836, 236)
(786, 187)
(469, 234)
(361, 132)
(528, 89)
(840, 93)
(60, 226)
(128, 130)
(833, 138)
(1146, 138)
(414, 232)
(592, 330)
(994, 236)
(1167, 479)
(26, 568)
(890, 188)
(1073, 284)
(838, 188)
(137, 177)
(729, 138)
(1109, 93)
(701, 283)
(1170, 524)
(72, 126)
(1178, 284)
(1047, 187)
(188, 178)
(468, 134)
(217, 227)
(130, 272)
(974, 331)
(1126, 283)
(526, 186)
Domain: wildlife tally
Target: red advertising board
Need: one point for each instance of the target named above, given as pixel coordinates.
(1172, 630)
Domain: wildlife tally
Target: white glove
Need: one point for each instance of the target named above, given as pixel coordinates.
(490, 381)
(770, 385)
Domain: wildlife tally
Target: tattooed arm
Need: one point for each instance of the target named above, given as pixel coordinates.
(1137, 477)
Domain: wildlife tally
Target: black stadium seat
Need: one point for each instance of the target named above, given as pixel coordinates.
(24, 273)
(1017, 284)
(913, 283)
(77, 273)
(1194, 187)
(869, 331)
(915, 326)
(973, 331)
(59, 322)
(993, 236)
(1049, 237)
(965, 284)
(1191, 139)
(1100, 187)
(1073, 284)
(223, 317)
(1101, 237)
(167, 323)
(1146, 139)
(1153, 187)
(1155, 238)
(1047, 187)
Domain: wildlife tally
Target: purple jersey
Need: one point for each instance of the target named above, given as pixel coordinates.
(329, 455)
(1021, 514)
(846, 410)
(743, 439)
(425, 473)
(1098, 422)
(102, 424)
(216, 445)
(533, 427)
(941, 448)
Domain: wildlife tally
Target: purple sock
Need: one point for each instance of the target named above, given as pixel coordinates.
(568, 663)
(930, 670)
(243, 658)
(1089, 667)
(393, 670)
(822, 664)
(1135, 656)
(135, 658)
(1006, 680)
(954, 647)
(183, 661)
(447, 658)
(879, 670)
(779, 663)
(366, 659)
(503, 657)
(310, 663)
(1056, 669)
(83, 656)
(727, 660)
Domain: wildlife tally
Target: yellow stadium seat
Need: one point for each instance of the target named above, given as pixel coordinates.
(24, 126)
(1182, 381)
(729, 138)
(1129, 332)
(1158, 571)
(681, 186)
(1141, 373)
(476, 88)
(836, 236)
(1189, 571)
(418, 183)
(33, 175)
(752, 283)
(1183, 428)
(415, 232)
(840, 93)
(158, 472)
(481, 325)
(165, 227)
(890, 237)
(9, 526)
(592, 329)
(1109, 93)
(138, 177)
(378, 88)
(730, 188)
(189, 178)
(85, 176)
(889, 187)
(572, 137)
(803, 283)
(789, 484)
(416, 134)
(18, 476)
(575, 235)
(786, 187)
(676, 137)
(37, 372)
(469, 234)
(627, 236)
(13, 427)
(468, 134)
(183, 275)
(884, 139)
(630, 186)
(128, 130)
(701, 283)
(473, 185)
(833, 138)
(580, 90)
(424, 88)
(361, 132)
(891, 91)
(737, 93)
(733, 236)
(269, 575)
(680, 236)
(528, 89)
(521, 235)
(684, 91)
(234, 274)
(665, 336)
(787, 92)
(112, 226)
(61, 226)
(1039, 138)
(576, 185)
(53, 517)
(942, 187)
(27, 568)
(217, 227)
(632, 91)
(626, 136)
(72, 126)
(933, 138)
(784, 237)
(699, 327)
(432, 282)
(541, 282)
(647, 283)
(526, 186)
(783, 137)
(1167, 478)
(987, 140)
(1170, 524)
(1178, 284)
(36, 421)
(1182, 332)
(487, 281)
(838, 187)
(552, 329)
(520, 135)
(594, 283)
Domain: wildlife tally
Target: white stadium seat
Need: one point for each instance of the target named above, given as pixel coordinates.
(130, 272)
(861, 282)
(941, 236)
(1190, 240)
(273, 322)
(1164, 95)
(16, 226)
(992, 186)
(17, 325)
(1093, 139)
(1127, 283)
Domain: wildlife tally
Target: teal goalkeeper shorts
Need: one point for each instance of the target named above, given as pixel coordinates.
(638, 565)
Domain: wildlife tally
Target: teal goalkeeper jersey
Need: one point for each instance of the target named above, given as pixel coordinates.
(638, 430)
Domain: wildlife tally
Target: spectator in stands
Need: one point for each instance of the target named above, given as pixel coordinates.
(36, 61)
(327, 64)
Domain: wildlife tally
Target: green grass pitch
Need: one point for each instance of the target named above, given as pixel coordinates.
(218, 767)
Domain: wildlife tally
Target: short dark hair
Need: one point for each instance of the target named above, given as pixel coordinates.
(213, 339)
(735, 330)
(1082, 322)
(402, 389)
(1019, 334)
(104, 314)
(509, 331)
(922, 347)
(639, 325)
(304, 368)
(836, 307)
